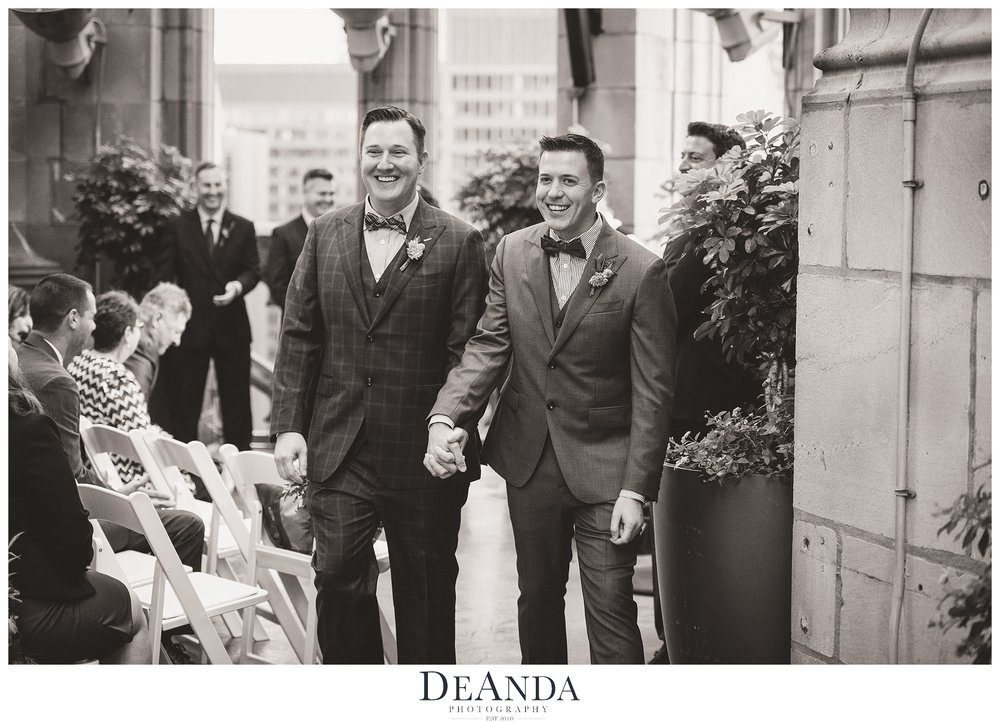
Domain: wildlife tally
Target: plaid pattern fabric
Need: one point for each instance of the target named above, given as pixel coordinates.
(339, 365)
(373, 221)
(566, 270)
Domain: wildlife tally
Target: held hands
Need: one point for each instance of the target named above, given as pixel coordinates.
(159, 499)
(233, 289)
(626, 521)
(444, 454)
(290, 457)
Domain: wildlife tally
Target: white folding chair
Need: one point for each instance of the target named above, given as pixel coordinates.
(293, 597)
(100, 441)
(175, 597)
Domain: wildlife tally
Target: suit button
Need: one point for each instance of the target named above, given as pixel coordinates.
(558, 324)
(371, 338)
(552, 365)
(551, 405)
(369, 381)
(378, 294)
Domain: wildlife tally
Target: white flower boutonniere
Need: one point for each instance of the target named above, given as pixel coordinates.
(414, 251)
(224, 233)
(604, 272)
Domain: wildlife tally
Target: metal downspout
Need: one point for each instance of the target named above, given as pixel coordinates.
(910, 185)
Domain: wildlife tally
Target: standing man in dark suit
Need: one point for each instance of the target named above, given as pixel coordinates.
(382, 301)
(585, 317)
(287, 240)
(212, 254)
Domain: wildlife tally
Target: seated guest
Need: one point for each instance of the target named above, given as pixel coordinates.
(109, 393)
(18, 317)
(64, 612)
(164, 312)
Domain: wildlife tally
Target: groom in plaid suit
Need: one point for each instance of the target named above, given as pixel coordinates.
(380, 305)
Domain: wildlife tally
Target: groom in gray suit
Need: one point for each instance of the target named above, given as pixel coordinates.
(585, 318)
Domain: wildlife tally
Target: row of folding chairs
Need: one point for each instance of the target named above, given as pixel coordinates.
(277, 582)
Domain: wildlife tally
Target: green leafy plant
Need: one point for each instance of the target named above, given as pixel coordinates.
(738, 443)
(499, 196)
(123, 199)
(741, 217)
(968, 605)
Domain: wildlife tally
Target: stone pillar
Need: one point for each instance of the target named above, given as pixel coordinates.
(149, 92)
(656, 70)
(848, 318)
(407, 77)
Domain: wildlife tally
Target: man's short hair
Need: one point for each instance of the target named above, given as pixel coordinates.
(54, 297)
(165, 298)
(722, 137)
(321, 173)
(390, 114)
(204, 165)
(116, 311)
(578, 144)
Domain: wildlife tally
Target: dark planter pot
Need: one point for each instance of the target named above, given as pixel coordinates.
(724, 563)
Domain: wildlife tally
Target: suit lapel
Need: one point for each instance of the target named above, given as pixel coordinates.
(536, 267)
(582, 299)
(348, 246)
(420, 229)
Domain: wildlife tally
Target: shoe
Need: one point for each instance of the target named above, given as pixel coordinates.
(660, 656)
(176, 653)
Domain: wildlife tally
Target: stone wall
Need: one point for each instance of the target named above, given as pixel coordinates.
(848, 331)
(156, 88)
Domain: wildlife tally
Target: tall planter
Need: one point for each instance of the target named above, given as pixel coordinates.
(724, 566)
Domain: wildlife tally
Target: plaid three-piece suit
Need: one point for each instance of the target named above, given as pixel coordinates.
(359, 365)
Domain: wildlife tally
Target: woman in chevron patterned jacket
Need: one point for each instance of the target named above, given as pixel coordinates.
(109, 393)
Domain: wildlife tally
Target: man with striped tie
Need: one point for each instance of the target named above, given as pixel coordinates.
(381, 303)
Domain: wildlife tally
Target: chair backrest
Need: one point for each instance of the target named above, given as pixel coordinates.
(100, 440)
(136, 512)
(250, 469)
(194, 458)
(100, 459)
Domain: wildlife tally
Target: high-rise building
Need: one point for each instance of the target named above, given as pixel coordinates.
(497, 86)
(308, 115)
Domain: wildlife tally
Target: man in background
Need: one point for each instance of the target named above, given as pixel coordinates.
(286, 241)
(212, 254)
(164, 312)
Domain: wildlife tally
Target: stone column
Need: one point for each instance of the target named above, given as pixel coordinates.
(656, 70)
(407, 77)
(149, 92)
(849, 302)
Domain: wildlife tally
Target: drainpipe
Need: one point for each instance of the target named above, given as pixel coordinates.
(910, 185)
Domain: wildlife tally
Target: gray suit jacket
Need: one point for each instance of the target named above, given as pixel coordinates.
(601, 385)
(58, 392)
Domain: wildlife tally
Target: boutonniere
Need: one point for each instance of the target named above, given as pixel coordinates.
(224, 234)
(603, 272)
(414, 251)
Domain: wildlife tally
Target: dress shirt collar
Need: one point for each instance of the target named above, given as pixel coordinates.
(407, 213)
(59, 356)
(589, 237)
(216, 217)
(307, 216)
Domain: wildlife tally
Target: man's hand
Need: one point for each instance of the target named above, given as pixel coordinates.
(159, 499)
(290, 457)
(626, 520)
(233, 289)
(444, 454)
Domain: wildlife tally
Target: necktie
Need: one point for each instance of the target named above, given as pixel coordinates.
(373, 222)
(209, 236)
(574, 248)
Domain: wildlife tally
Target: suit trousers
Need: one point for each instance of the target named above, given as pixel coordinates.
(180, 391)
(185, 529)
(545, 517)
(421, 530)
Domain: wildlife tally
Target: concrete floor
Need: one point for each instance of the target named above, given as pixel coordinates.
(486, 611)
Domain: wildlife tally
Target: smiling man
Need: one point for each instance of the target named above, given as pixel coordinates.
(585, 320)
(212, 254)
(380, 305)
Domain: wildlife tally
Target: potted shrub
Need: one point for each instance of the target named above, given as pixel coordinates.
(123, 199)
(724, 514)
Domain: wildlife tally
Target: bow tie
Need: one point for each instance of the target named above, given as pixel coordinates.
(374, 221)
(574, 248)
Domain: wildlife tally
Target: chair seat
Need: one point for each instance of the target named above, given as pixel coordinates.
(217, 595)
(227, 546)
(139, 567)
